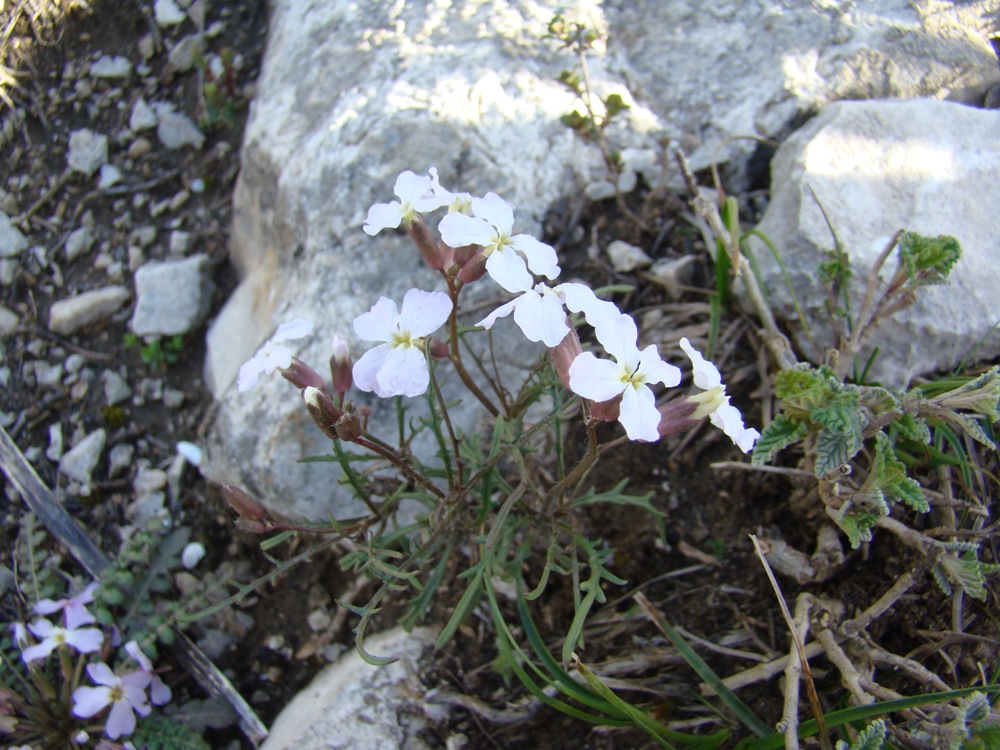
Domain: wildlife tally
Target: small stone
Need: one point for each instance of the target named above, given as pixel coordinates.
(167, 13)
(8, 321)
(171, 298)
(74, 363)
(192, 555)
(178, 201)
(79, 242)
(139, 148)
(46, 375)
(190, 452)
(110, 176)
(215, 29)
(318, 619)
(145, 508)
(183, 54)
(55, 450)
(176, 130)
(12, 242)
(144, 236)
(625, 257)
(87, 151)
(116, 389)
(600, 191)
(673, 273)
(79, 462)
(70, 315)
(143, 116)
(180, 242)
(119, 459)
(198, 186)
(8, 270)
(136, 257)
(147, 47)
(173, 398)
(111, 67)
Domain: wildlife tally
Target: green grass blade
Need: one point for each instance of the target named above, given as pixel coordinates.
(740, 709)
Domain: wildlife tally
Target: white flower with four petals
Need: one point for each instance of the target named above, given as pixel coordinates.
(272, 355)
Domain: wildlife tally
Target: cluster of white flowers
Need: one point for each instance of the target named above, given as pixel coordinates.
(124, 693)
(482, 229)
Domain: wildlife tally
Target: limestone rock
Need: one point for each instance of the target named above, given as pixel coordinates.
(70, 315)
(80, 461)
(87, 151)
(172, 297)
(143, 116)
(377, 708)
(12, 242)
(176, 130)
(877, 167)
(111, 67)
(626, 257)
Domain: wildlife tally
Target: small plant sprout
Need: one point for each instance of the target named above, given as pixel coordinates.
(273, 355)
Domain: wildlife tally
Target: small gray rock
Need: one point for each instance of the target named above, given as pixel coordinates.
(111, 67)
(55, 450)
(119, 459)
(79, 242)
(70, 315)
(171, 298)
(8, 321)
(46, 375)
(110, 176)
(79, 462)
(625, 257)
(182, 56)
(87, 151)
(12, 242)
(176, 130)
(167, 13)
(116, 389)
(143, 117)
(180, 242)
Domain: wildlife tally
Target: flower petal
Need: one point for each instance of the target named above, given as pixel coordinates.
(365, 371)
(38, 651)
(639, 415)
(379, 323)
(507, 269)
(383, 216)
(596, 379)
(101, 674)
(501, 312)
(133, 650)
(458, 229)
(404, 372)
(541, 257)
(411, 187)
(293, 329)
(88, 701)
(654, 370)
(496, 211)
(618, 336)
(424, 312)
(541, 316)
(85, 640)
(706, 374)
(121, 720)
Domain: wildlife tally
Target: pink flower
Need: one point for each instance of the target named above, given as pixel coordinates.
(74, 609)
(84, 640)
(159, 691)
(125, 694)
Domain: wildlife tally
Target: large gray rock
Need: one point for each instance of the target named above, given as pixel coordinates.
(351, 94)
(353, 704)
(877, 167)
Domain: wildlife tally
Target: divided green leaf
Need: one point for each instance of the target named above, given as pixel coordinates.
(928, 260)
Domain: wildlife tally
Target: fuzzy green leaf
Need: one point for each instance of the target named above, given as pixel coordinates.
(781, 433)
(859, 514)
(928, 260)
(871, 738)
(889, 475)
(966, 572)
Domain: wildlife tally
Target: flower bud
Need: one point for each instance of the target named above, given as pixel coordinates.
(564, 353)
(324, 412)
(465, 253)
(606, 411)
(435, 254)
(438, 349)
(474, 269)
(252, 527)
(301, 375)
(341, 366)
(678, 415)
(243, 503)
(348, 427)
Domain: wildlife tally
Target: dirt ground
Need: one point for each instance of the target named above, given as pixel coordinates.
(698, 567)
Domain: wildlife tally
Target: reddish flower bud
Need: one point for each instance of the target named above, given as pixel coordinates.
(348, 427)
(606, 411)
(253, 527)
(474, 269)
(302, 375)
(564, 353)
(678, 415)
(438, 349)
(435, 254)
(341, 366)
(324, 412)
(465, 253)
(243, 503)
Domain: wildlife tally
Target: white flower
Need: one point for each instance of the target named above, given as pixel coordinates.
(716, 404)
(84, 640)
(125, 695)
(416, 195)
(491, 228)
(272, 355)
(538, 313)
(630, 375)
(74, 609)
(398, 367)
